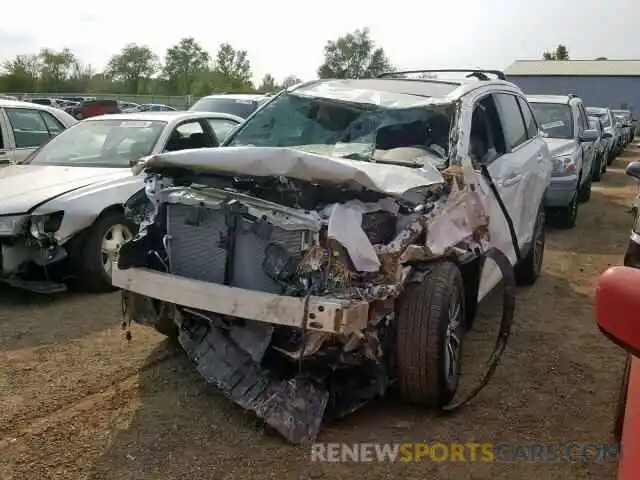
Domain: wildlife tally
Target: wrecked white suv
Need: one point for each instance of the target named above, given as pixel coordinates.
(340, 242)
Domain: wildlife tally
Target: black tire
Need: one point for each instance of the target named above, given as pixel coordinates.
(528, 270)
(584, 191)
(79, 116)
(565, 217)
(621, 406)
(597, 173)
(89, 270)
(422, 336)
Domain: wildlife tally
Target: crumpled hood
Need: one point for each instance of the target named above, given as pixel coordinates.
(22, 187)
(394, 180)
(561, 146)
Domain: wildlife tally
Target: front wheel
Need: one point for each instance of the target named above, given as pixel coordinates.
(429, 335)
(584, 191)
(99, 251)
(566, 216)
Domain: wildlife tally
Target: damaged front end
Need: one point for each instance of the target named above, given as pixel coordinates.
(283, 287)
(29, 252)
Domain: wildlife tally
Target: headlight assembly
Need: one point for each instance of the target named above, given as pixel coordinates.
(11, 224)
(45, 225)
(565, 165)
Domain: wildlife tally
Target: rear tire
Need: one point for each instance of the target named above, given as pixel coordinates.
(430, 328)
(528, 270)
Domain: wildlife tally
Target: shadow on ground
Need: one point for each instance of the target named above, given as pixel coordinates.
(556, 383)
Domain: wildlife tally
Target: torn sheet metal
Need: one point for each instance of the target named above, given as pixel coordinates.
(345, 226)
(461, 215)
(393, 180)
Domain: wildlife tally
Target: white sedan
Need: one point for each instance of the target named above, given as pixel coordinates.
(61, 209)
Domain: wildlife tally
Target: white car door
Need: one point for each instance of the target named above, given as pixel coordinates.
(519, 166)
(516, 172)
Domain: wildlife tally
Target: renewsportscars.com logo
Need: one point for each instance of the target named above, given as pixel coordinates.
(464, 452)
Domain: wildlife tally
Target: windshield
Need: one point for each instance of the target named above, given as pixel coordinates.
(604, 118)
(100, 143)
(241, 108)
(555, 119)
(352, 130)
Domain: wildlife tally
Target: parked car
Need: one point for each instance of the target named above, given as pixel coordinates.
(240, 104)
(26, 126)
(609, 124)
(93, 108)
(618, 317)
(348, 274)
(61, 209)
(565, 126)
(632, 255)
(152, 107)
(124, 106)
(599, 166)
(624, 118)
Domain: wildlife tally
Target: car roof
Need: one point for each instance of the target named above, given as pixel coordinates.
(597, 110)
(19, 104)
(238, 96)
(565, 99)
(396, 92)
(169, 117)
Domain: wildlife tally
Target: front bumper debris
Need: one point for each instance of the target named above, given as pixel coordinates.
(294, 407)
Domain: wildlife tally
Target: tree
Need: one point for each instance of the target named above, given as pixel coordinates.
(183, 62)
(233, 65)
(561, 53)
(268, 84)
(55, 68)
(353, 56)
(290, 81)
(21, 74)
(133, 66)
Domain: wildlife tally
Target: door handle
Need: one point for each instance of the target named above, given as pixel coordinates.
(512, 180)
(4, 156)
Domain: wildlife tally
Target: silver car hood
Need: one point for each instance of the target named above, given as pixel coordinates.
(561, 146)
(23, 187)
(394, 180)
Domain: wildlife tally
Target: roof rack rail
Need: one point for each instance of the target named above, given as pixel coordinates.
(473, 72)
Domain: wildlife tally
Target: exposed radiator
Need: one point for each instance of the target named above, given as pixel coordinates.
(198, 247)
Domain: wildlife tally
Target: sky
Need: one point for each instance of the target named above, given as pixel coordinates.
(288, 39)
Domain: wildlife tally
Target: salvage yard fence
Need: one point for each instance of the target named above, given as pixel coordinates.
(180, 102)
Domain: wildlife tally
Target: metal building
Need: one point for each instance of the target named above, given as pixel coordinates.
(600, 83)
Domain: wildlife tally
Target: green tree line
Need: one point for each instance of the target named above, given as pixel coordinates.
(186, 68)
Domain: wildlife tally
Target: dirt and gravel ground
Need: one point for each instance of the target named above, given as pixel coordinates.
(77, 401)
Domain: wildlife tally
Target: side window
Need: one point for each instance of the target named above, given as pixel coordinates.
(221, 127)
(189, 135)
(511, 118)
(29, 129)
(583, 121)
(53, 124)
(486, 140)
(529, 120)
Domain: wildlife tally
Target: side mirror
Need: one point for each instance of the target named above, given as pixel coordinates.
(618, 307)
(606, 135)
(633, 170)
(589, 136)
